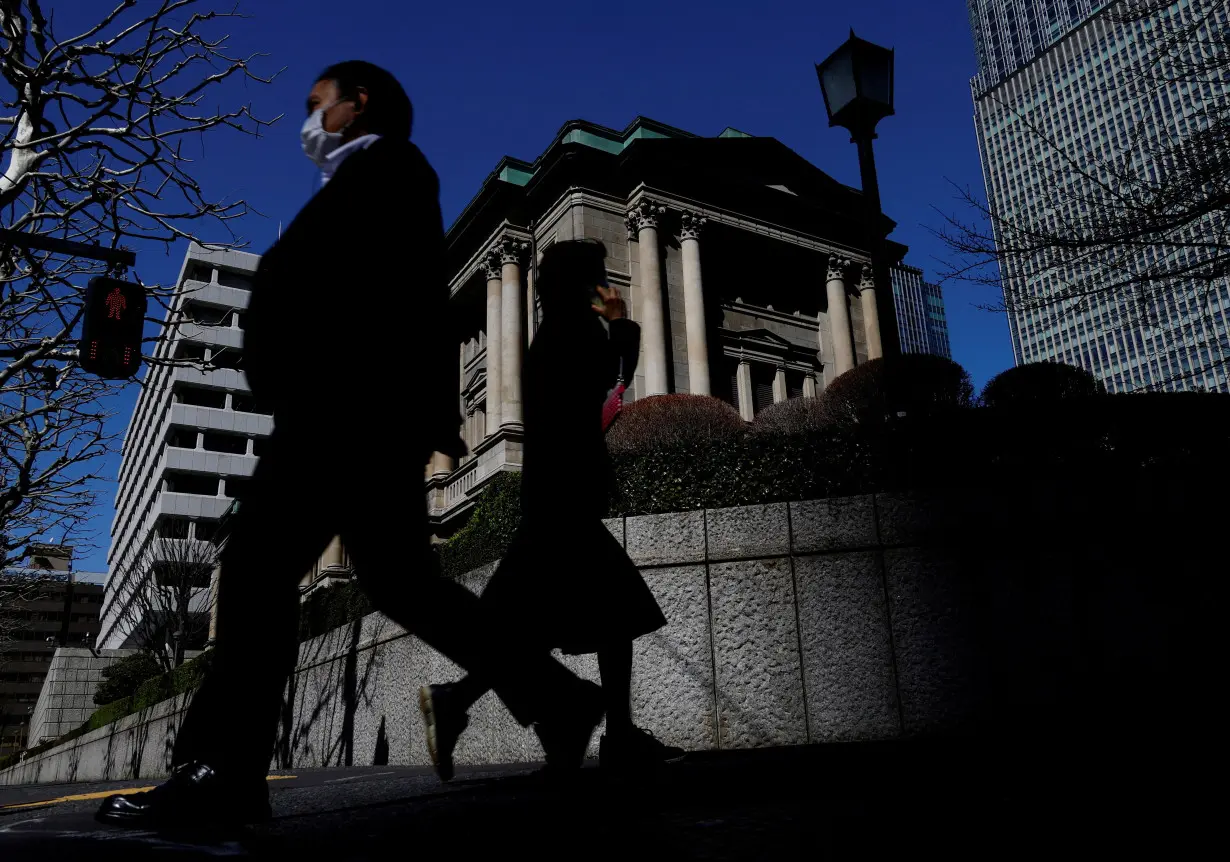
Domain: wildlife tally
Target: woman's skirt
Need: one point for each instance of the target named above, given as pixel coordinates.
(572, 587)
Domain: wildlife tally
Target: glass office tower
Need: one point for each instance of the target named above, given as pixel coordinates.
(1068, 97)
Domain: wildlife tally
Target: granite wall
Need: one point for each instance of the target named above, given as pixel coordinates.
(860, 618)
(67, 697)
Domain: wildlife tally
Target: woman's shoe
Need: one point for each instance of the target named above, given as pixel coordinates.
(636, 749)
(445, 723)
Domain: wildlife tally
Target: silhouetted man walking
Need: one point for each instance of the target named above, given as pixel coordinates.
(348, 321)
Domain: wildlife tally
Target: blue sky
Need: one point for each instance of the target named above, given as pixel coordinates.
(492, 79)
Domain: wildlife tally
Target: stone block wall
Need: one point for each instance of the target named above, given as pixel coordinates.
(1019, 612)
(67, 696)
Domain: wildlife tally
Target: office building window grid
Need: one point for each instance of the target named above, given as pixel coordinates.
(921, 321)
(1080, 101)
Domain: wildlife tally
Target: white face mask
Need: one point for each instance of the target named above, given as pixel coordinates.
(318, 144)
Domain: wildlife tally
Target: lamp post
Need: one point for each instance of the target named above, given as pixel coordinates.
(857, 83)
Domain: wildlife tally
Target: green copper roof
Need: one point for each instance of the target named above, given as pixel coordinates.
(598, 138)
(516, 176)
(519, 173)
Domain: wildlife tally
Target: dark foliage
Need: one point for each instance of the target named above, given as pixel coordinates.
(918, 385)
(486, 535)
(1040, 383)
(672, 421)
(793, 416)
(124, 676)
(331, 607)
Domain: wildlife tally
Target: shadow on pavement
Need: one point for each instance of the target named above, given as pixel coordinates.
(790, 803)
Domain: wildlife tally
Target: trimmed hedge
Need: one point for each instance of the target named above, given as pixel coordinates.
(672, 421)
(916, 384)
(1040, 383)
(793, 416)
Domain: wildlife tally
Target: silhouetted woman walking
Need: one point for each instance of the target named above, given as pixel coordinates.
(565, 578)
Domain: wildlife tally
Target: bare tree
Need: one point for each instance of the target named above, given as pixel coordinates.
(1143, 228)
(95, 130)
(171, 596)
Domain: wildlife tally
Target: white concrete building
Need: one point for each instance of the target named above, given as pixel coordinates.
(194, 435)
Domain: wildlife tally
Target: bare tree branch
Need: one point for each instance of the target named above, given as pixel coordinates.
(93, 138)
(168, 597)
(1141, 226)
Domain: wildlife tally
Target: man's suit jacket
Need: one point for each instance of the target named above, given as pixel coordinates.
(349, 318)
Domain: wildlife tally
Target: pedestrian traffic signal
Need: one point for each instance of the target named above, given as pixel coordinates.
(112, 327)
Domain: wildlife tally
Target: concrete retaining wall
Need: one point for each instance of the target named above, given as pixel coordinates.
(67, 697)
(858, 618)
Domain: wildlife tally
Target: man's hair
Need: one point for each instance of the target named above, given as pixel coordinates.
(389, 112)
(570, 269)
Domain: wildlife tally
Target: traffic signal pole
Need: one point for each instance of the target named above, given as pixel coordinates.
(118, 260)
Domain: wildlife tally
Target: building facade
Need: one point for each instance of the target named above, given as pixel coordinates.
(194, 435)
(57, 607)
(921, 320)
(1059, 101)
(745, 266)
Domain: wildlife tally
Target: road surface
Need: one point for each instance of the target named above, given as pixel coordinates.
(819, 802)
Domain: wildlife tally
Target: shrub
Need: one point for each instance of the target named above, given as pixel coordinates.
(673, 420)
(1039, 383)
(754, 468)
(794, 416)
(121, 678)
(331, 607)
(916, 384)
(486, 535)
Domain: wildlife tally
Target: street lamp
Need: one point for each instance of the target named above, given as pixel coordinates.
(857, 83)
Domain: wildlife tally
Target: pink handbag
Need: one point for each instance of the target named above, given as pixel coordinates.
(615, 401)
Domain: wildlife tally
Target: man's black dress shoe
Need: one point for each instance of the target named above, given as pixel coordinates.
(194, 796)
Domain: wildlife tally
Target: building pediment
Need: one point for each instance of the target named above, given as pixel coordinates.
(763, 337)
(766, 346)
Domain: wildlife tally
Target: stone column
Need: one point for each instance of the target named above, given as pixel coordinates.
(495, 324)
(643, 224)
(747, 407)
(694, 305)
(809, 386)
(839, 316)
(473, 438)
(780, 393)
(334, 557)
(512, 336)
(441, 465)
(871, 312)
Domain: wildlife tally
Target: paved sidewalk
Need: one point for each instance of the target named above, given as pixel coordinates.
(818, 802)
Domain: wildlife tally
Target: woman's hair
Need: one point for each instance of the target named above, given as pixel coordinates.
(570, 270)
(388, 112)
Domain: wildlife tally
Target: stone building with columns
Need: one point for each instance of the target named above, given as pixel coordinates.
(746, 266)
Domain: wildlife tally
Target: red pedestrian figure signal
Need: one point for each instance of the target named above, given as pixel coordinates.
(116, 303)
(112, 327)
